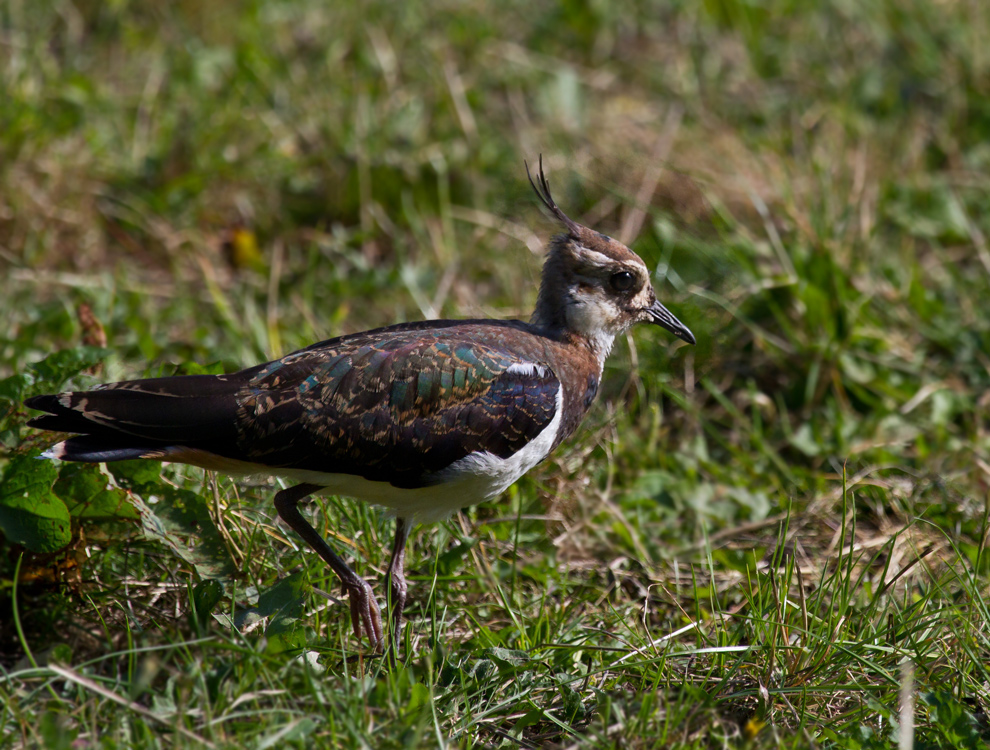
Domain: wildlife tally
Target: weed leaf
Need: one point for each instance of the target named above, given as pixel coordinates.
(30, 513)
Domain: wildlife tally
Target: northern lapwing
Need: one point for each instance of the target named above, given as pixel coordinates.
(422, 418)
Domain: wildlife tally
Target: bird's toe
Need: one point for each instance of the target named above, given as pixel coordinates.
(366, 617)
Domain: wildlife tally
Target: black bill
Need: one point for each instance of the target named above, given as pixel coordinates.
(664, 317)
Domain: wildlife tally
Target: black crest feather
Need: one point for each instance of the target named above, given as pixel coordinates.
(542, 190)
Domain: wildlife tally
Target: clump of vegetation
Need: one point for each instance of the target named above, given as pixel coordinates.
(777, 537)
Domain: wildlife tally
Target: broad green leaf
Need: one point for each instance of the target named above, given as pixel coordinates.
(285, 598)
(282, 605)
(181, 520)
(507, 658)
(205, 597)
(450, 561)
(50, 373)
(12, 388)
(283, 602)
(30, 513)
(60, 366)
(139, 475)
(89, 493)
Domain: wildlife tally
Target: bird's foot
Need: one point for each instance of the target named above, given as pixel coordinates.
(366, 617)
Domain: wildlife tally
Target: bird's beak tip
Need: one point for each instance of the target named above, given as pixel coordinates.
(661, 316)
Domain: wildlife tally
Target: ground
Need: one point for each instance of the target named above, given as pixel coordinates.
(775, 538)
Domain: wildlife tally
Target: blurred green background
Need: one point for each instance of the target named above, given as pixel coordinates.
(208, 185)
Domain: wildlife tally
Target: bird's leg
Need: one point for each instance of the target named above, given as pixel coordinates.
(364, 609)
(395, 579)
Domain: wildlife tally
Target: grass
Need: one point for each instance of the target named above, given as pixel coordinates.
(776, 538)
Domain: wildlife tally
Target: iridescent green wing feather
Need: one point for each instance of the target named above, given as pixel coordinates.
(398, 408)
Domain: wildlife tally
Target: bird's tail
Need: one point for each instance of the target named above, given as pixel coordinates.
(140, 418)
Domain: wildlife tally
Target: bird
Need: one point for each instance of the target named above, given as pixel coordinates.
(421, 418)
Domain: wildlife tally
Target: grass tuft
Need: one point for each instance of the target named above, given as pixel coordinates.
(776, 538)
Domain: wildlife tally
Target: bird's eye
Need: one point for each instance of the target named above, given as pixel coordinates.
(622, 281)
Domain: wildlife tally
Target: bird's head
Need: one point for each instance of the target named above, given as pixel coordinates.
(593, 285)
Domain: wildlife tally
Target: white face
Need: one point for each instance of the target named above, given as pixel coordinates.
(605, 296)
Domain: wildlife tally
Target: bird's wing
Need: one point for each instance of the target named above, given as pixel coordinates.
(394, 408)
(395, 405)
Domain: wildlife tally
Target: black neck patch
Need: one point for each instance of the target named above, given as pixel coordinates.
(591, 391)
